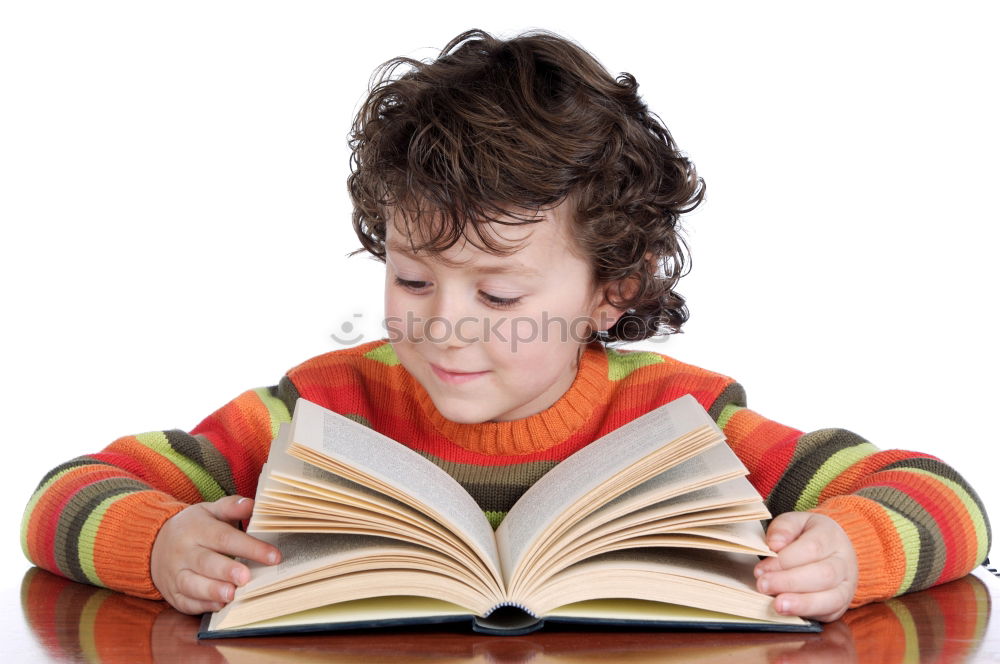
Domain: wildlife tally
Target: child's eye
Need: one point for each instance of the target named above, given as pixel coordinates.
(411, 285)
(500, 302)
(492, 300)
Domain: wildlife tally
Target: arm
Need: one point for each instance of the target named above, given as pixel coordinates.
(912, 520)
(95, 518)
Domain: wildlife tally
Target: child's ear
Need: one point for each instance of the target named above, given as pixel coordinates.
(605, 312)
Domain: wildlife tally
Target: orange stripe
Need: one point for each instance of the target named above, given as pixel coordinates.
(878, 627)
(752, 437)
(136, 518)
(879, 549)
(119, 615)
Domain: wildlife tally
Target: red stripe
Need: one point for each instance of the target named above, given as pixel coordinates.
(766, 476)
(40, 600)
(245, 471)
(946, 521)
(125, 462)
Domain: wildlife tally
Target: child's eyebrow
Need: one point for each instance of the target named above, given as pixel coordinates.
(510, 267)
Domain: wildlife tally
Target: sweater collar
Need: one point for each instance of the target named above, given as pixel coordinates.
(537, 432)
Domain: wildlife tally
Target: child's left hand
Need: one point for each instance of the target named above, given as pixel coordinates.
(815, 572)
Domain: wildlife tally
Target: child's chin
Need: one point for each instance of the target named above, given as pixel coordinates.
(462, 413)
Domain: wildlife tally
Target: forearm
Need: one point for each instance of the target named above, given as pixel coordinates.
(913, 521)
(94, 519)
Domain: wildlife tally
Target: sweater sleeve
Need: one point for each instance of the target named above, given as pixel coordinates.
(913, 521)
(94, 519)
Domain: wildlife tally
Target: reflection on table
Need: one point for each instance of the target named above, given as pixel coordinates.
(78, 623)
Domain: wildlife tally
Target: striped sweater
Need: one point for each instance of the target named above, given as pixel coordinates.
(913, 521)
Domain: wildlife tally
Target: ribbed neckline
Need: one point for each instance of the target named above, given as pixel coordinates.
(537, 432)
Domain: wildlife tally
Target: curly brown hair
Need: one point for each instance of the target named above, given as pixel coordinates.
(528, 122)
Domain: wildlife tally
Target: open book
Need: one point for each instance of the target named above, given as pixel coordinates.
(653, 524)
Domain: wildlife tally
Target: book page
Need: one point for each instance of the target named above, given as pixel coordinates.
(366, 456)
(280, 463)
(304, 552)
(710, 580)
(360, 611)
(659, 435)
(714, 465)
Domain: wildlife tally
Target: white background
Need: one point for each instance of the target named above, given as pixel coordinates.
(175, 219)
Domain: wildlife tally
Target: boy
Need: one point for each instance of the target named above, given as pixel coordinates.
(526, 206)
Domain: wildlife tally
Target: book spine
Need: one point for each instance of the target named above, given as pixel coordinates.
(510, 604)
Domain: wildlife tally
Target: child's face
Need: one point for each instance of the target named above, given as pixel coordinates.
(496, 337)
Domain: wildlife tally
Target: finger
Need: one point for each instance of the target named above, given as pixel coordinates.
(213, 565)
(809, 547)
(813, 577)
(194, 607)
(825, 606)
(785, 528)
(196, 587)
(220, 536)
(771, 564)
(231, 508)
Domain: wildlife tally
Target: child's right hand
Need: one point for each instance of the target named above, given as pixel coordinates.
(190, 563)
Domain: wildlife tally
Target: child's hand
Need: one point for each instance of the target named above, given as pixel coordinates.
(815, 572)
(190, 564)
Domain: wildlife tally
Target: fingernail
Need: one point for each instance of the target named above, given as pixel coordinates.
(272, 557)
(784, 606)
(237, 576)
(777, 540)
(241, 501)
(764, 586)
(225, 594)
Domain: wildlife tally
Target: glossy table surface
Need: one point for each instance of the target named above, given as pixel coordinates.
(55, 620)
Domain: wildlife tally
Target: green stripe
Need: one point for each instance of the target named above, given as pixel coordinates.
(385, 354)
(932, 556)
(494, 517)
(910, 537)
(623, 363)
(829, 471)
(87, 629)
(88, 535)
(727, 413)
(275, 409)
(911, 637)
(203, 481)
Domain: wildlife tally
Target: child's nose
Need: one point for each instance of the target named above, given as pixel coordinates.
(451, 321)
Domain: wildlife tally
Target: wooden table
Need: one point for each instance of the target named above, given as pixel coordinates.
(62, 621)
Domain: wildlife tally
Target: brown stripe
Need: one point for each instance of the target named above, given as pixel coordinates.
(75, 514)
(202, 452)
(74, 463)
(733, 394)
(494, 488)
(812, 450)
(931, 559)
(286, 391)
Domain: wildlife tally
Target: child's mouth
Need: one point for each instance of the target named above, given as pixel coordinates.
(455, 377)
